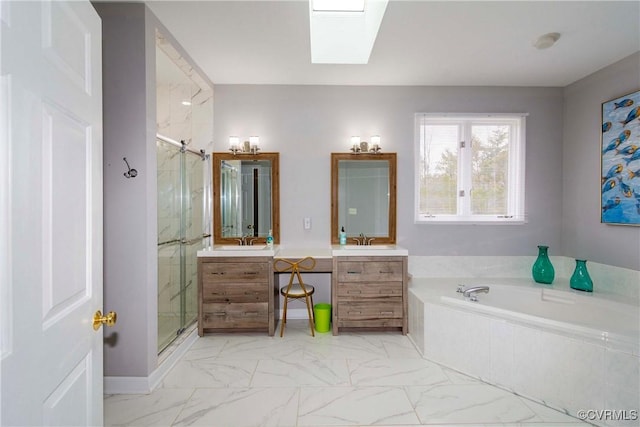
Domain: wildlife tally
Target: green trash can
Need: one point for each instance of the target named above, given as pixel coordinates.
(322, 314)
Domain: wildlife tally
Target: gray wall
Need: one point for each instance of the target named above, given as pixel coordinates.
(583, 236)
(306, 123)
(130, 205)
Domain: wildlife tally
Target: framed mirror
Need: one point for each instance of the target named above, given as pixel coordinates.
(246, 197)
(363, 197)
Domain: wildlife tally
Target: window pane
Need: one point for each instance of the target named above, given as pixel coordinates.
(490, 164)
(438, 169)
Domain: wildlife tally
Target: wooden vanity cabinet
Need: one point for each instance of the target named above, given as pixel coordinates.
(369, 292)
(236, 294)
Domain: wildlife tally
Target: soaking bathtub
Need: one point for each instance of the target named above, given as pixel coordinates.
(564, 310)
(564, 348)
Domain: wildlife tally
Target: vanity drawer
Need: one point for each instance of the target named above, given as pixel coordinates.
(387, 308)
(222, 272)
(367, 290)
(237, 315)
(370, 271)
(371, 323)
(234, 292)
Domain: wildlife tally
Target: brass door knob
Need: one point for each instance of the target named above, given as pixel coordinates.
(99, 319)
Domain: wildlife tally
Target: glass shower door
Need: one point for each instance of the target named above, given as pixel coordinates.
(181, 233)
(169, 237)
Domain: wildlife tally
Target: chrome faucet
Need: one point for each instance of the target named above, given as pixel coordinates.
(246, 240)
(472, 292)
(363, 240)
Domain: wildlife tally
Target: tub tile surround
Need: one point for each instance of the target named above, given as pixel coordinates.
(563, 371)
(607, 279)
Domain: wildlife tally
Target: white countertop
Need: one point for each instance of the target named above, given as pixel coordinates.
(373, 250)
(237, 251)
(291, 252)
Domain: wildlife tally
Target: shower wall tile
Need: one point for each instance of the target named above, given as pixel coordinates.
(202, 119)
(163, 108)
(181, 123)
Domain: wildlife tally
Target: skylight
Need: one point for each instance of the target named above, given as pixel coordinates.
(338, 5)
(344, 31)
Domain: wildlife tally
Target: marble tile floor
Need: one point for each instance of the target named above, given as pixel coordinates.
(354, 379)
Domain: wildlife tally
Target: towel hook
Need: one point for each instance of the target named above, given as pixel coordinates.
(131, 173)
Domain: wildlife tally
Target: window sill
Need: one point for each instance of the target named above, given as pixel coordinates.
(471, 221)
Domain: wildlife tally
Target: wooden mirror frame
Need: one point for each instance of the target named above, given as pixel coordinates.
(217, 159)
(392, 159)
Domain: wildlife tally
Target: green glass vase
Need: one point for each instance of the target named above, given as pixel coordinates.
(580, 279)
(542, 269)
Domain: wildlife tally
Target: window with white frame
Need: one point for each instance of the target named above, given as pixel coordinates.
(470, 168)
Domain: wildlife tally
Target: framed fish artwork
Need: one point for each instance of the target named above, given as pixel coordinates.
(620, 165)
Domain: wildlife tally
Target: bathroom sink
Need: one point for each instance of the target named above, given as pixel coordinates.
(237, 251)
(369, 247)
(240, 248)
(365, 250)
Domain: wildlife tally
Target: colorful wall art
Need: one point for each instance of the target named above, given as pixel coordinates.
(620, 166)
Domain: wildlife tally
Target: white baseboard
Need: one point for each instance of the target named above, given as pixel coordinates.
(126, 385)
(145, 385)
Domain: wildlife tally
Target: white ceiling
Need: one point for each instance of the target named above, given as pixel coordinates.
(419, 43)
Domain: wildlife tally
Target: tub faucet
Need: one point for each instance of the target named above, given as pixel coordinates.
(471, 292)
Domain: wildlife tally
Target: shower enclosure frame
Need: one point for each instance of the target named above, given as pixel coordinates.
(184, 241)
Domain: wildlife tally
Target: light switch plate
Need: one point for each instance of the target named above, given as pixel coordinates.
(307, 223)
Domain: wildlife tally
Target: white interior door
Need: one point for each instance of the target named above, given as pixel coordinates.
(51, 213)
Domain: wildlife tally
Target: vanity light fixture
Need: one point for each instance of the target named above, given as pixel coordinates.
(252, 146)
(358, 146)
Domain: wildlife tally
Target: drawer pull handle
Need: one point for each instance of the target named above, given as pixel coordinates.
(220, 313)
(354, 292)
(386, 272)
(386, 312)
(251, 273)
(218, 273)
(354, 272)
